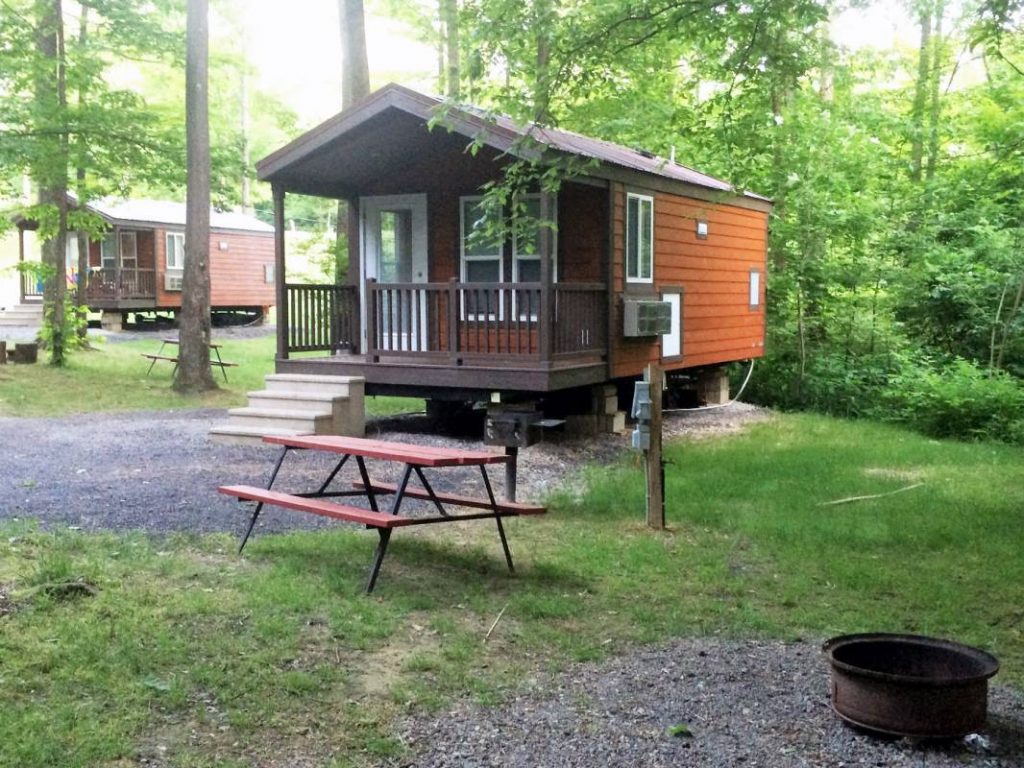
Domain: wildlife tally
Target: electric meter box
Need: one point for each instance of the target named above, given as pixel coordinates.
(646, 318)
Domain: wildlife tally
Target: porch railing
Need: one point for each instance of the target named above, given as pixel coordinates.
(494, 320)
(31, 286)
(449, 322)
(322, 317)
(112, 284)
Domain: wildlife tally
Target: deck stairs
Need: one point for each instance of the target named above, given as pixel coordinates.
(22, 315)
(294, 404)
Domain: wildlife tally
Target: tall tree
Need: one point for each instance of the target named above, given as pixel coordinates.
(193, 373)
(355, 67)
(449, 43)
(355, 85)
(51, 176)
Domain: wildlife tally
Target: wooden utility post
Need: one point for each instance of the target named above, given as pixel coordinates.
(655, 470)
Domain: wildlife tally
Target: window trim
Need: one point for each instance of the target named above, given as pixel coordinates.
(754, 298)
(167, 250)
(518, 257)
(465, 258)
(131, 235)
(638, 279)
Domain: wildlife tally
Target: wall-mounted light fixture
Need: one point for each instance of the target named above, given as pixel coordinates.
(702, 229)
(223, 245)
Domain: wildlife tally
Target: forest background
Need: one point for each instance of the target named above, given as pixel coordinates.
(896, 272)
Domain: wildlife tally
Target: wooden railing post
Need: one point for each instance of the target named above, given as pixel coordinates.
(453, 321)
(372, 352)
(279, 275)
(547, 319)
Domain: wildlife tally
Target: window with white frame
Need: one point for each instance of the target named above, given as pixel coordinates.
(481, 256)
(526, 251)
(175, 250)
(108, 251)
(755, 288)
(639, 238)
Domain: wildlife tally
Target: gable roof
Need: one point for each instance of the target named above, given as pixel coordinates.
(169, 213)
(500, 133)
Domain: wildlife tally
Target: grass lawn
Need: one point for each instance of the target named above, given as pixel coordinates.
(117, 648)
(85, 384)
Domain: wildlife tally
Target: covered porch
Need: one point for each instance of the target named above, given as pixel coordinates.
(428, 310)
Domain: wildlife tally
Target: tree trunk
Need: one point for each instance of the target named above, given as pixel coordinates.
(355, 68)
(917, 117)
(355, 85)
(246, 128)
(935, 113)
(52, 178)
(82, 284)
(194, 327)
(542, 22)
(449, 12)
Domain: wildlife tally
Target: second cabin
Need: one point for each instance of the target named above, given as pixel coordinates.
(649, 261)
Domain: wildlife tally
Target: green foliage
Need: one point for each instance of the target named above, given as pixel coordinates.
(958, 400)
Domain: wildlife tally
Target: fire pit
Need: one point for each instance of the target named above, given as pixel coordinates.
(907, 685)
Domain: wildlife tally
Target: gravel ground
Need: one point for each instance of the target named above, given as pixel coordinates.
(158, 471)
(746, 704)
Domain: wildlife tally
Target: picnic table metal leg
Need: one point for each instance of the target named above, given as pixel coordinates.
(497, 519)
(430, 493)
(259, 506)
(365, 477)
(400, 492)
(378, 557)
(334, 473)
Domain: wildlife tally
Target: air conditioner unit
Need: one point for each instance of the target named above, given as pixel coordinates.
(646, 318)
(172, 282)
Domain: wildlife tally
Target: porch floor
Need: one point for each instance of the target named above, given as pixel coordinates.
(420, 376)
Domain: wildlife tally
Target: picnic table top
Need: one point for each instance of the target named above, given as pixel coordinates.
(409, 453)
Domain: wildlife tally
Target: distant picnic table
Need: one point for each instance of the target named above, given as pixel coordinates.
(160, 355)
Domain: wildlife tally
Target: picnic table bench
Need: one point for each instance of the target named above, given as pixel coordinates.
(415, 459)
(215, 348)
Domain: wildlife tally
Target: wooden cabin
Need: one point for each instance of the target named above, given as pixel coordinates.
(138, 265)
(650, 261)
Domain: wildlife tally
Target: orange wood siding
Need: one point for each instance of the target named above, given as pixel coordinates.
(237, 274)
(718, 324)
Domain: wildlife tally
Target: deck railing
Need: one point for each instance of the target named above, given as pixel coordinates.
(31, 286)
(450, 322)
(322, 317)
(112, 284)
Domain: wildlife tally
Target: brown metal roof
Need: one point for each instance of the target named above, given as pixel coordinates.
(501, 133)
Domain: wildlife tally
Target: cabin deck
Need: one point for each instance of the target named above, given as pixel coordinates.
(468, 338)
(474, 379)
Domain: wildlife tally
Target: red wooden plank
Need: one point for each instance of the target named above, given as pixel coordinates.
(474, 502)
(422, 455)
(317, 506)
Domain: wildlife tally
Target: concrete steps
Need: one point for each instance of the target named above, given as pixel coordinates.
(294, 404)
(25, 315)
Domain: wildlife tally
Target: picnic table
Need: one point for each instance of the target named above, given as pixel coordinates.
(414, 460)
(214, 348)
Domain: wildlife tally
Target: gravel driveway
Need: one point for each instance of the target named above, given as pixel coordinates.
(745, 703)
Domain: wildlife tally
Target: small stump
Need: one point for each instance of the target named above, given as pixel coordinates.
(26, 353)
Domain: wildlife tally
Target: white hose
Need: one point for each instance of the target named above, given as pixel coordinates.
(743, 386)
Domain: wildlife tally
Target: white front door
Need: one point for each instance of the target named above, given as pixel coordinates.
(394, 248)
(672, 342)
